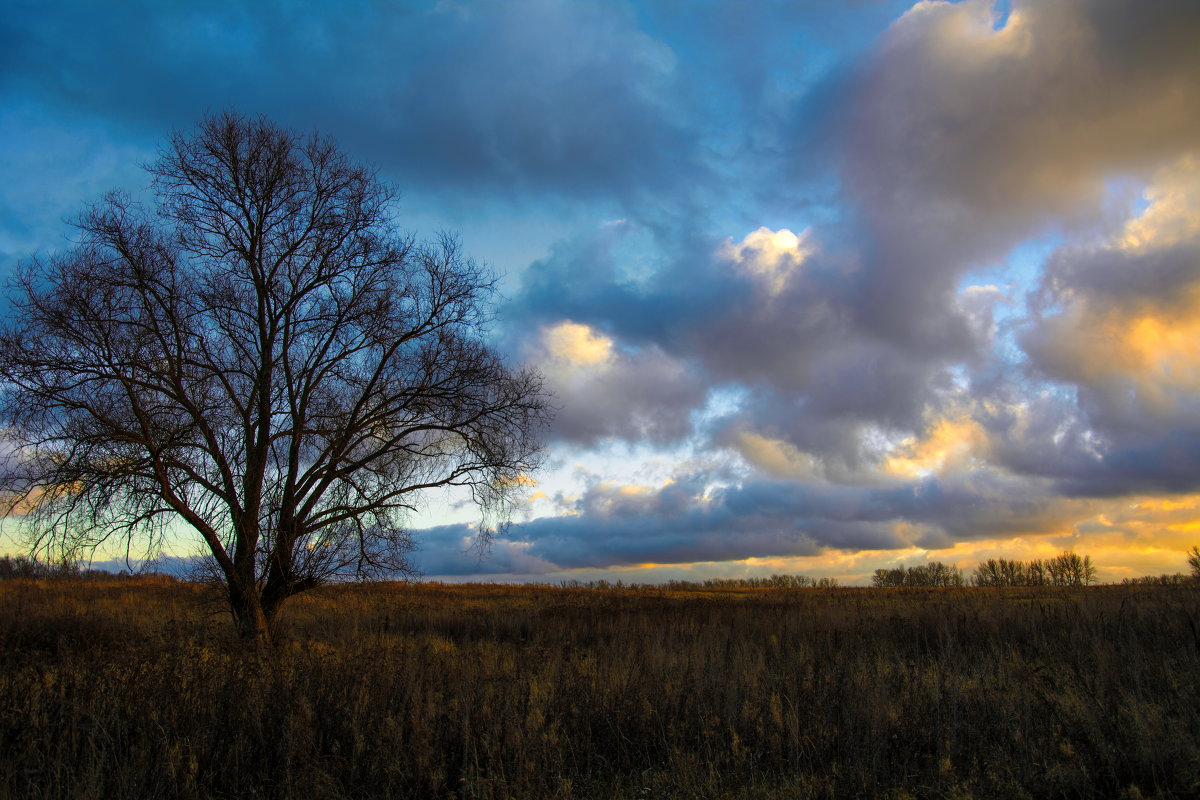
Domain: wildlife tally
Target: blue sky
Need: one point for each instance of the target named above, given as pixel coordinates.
(820, 287)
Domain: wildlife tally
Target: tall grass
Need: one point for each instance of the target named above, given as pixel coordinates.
(427, 691)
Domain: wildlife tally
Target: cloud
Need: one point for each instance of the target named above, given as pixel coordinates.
(691, 519)
(774, 457)
(1116, 321)
(537, 95)
(563, 96)
(959, 140)
(911, 294)
(572, 345)
(949, 444)
(608, 392)
(451, 550)
(770, 257)
(770, 313)
(956, 119)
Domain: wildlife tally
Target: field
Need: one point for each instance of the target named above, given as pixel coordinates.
(136, 688)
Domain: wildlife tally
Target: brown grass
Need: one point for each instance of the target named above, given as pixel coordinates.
(133, 689)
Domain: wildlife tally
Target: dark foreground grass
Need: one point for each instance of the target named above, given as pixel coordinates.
(115, 690)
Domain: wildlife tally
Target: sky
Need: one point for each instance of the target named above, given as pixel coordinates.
(819, 287)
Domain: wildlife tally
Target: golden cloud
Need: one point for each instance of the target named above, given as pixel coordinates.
(575, 345)
(950, 443)
(770, 257)
(774, 456)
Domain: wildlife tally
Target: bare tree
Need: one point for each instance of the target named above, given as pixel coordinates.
(258, 355)
(1071, 569)
(934, 573)
(1008, 572)
(1065, 569)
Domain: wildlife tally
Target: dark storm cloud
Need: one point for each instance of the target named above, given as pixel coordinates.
(581, 279)
(538, 95)
(545, 94)
(1003, 130)
(1158, 279)
(454, 550)
(1067, 446)
(612, 525)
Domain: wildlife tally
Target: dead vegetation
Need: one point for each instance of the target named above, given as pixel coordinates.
(132, 689)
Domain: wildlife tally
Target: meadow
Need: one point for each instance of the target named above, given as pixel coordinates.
(137, 688)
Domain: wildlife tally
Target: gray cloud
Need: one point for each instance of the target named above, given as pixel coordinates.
(537, 95)
(688, 521)
(644, 396)
(563, 96)
(773, 314)
(449, 550)
(958, 141)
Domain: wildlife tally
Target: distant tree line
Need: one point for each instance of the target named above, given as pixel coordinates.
(24, 567)
(1065, 569)
(772, 582)
(935, 573)
(32, 568)
(1176, 579)
(1193, 560)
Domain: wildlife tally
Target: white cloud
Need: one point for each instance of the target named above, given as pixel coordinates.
(771, 257)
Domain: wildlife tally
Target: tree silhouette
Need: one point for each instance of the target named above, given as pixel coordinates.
(259, 355)
(1065, 569)
(934, 573)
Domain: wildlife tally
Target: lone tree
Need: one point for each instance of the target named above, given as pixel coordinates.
(259, 355)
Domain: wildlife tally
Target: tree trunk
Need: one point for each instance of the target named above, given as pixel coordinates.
(252, 622)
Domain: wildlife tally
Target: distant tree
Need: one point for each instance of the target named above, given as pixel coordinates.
(1177, 579)
(1193, 559)
(935, 573)
(260, 356)
(1008, 572)
(883, 578)
(25, 567)
(19, 567)
(1071, 569)
(987, 573)
(1066, 569)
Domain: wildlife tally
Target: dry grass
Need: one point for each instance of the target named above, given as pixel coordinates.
(132, 689)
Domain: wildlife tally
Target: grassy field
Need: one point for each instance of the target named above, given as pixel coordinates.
(136, 688)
